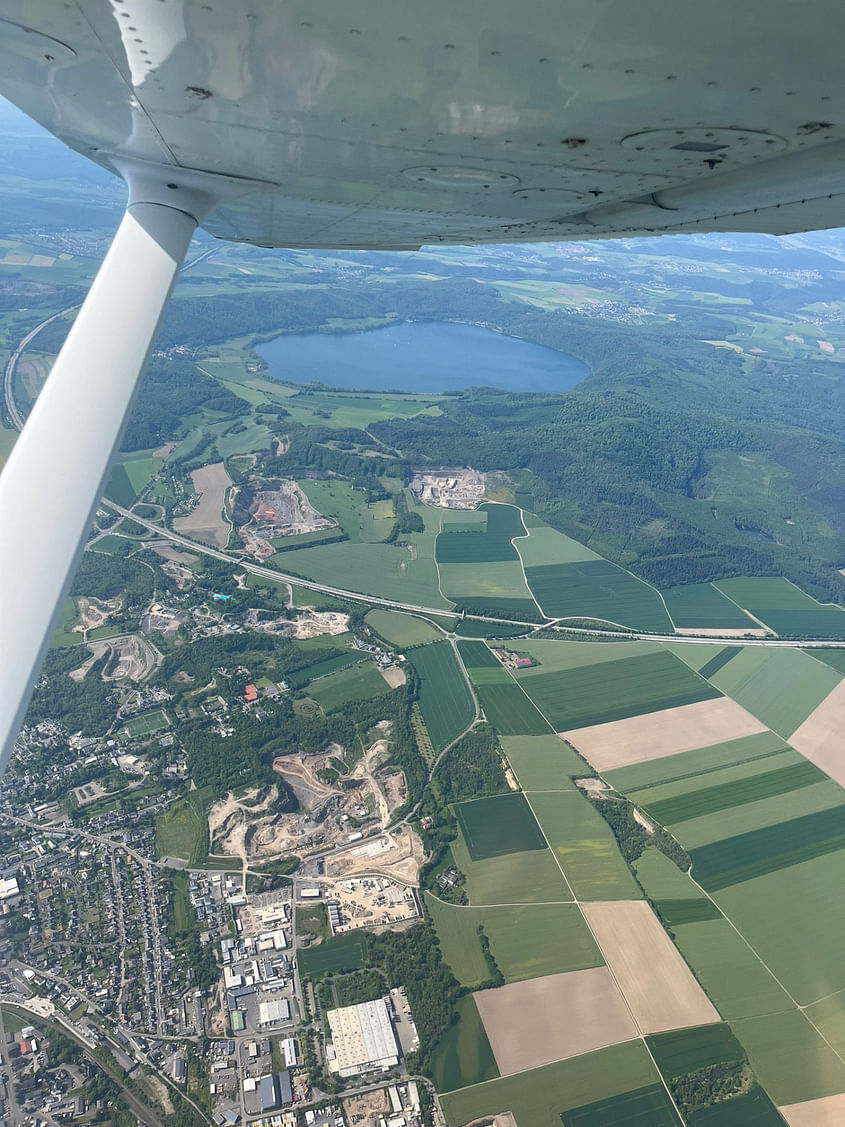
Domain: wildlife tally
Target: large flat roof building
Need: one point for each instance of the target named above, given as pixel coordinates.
(363, 1038)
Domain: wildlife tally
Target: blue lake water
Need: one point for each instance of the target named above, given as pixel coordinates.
(424, 357)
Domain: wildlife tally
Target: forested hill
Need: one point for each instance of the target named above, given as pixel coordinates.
(683, 460)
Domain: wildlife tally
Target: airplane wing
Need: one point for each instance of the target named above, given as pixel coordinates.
(386, 124)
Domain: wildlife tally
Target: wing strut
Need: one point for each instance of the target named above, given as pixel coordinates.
(54, 477)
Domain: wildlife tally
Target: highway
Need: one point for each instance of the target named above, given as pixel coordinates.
(9, 373)
(413, 608)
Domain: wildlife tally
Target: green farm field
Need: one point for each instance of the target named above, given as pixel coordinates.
(790, 1057)
(501, 824)
(662, 879)
(539, 1097)
(558, 655)
(349, 409)
(828, 1015)
(532, 877)
(475, 655)
(701, 606)
(456, 929)
(731, 973)
(543, 762)
(463, 1055)
(348, 506)
(476, 583)
(358, 682)
(64, 634)
(690, 764)
(795, 923)
(615, 690)
(599, 590)
(544, 546)
(833, 658)
(119, 488)
(402, 630)
(695, 655)
(648, 1105)
(345, 953)
(538, 939)
(526, 941)
(324, 668)
(769, 850)
(781, 687)
(509, 710)
(182, 831)
(490, 544)
(687, 1050)
(141, 469)
(445, 699)
(760, 815)
(385, 570)
(734, 792)
(584, 845)
(785, 608)
(712, 776)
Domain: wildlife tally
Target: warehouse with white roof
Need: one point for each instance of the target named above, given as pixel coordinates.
(362, 1038)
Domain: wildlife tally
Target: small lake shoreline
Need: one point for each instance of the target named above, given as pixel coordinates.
(419, 357)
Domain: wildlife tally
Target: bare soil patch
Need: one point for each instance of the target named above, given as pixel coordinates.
(94, 612)
(592, 786)
(167, 551)
(658, 985)
(658, 734)
(826, 1112)
(206, 522)
(819, 738)
(397, 855)
(282, 510)
(449, 487)
(394, 675)
(547, 1019)
(367, 1109)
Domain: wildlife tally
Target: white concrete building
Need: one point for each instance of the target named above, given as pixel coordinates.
(363, 1038)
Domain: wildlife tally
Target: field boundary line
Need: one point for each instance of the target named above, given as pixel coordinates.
(514, 539)
(622, 995)
(525, 1071)
(801, 1009)
(753, 617)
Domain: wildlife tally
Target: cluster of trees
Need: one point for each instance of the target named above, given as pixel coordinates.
(171, 390)
(472, 767)
(412, 959)
(79, 705)
(710, 1085)
(111, 577)
(633, 839)
(495, 978)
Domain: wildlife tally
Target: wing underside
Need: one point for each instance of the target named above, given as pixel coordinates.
(381, 123)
